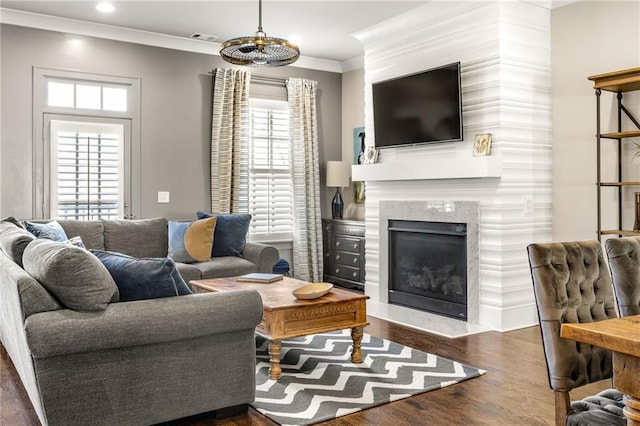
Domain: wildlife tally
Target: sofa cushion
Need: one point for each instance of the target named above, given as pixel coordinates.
(228, 266)
(143, 278)
(14, 240)
(191, 242)
(90, 231)
(73, 275)
(188, 271)
(137, 238)
(51, 230)
(230, 235)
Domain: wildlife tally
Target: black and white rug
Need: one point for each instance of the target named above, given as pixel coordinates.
(319, 382)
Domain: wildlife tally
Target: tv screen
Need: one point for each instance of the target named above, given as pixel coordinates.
(418, 108)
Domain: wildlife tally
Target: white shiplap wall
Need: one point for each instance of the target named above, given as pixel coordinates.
(504, 50)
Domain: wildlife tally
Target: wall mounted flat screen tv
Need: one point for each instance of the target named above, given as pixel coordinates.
(420, 108)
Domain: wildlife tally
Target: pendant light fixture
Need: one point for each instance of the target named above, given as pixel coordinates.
(259, 50)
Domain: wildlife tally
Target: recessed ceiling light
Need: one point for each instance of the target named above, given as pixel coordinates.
(105, 7)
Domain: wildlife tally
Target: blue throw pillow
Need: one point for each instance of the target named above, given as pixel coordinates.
(52, 230)
(191, 242)
(230, 235)
(143, 278)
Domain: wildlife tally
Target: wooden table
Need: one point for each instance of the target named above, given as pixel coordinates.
(286, 317)
(622, 336)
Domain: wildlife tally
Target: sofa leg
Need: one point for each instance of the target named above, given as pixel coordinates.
(235, 410)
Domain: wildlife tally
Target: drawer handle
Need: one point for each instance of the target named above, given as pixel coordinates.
(355, 274)
(347, 230)
(355, 246)
(355, 260)
(337, 256)
(337, 243)
(337, 270)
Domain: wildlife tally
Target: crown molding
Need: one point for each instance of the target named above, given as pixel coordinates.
(128, 35)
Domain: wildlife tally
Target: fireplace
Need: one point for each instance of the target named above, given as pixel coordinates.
(428, 266)
(378, 275)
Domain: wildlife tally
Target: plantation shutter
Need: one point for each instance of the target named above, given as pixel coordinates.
(86, 171)
(270, 182)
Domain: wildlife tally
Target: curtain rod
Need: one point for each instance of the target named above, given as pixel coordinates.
(265, 79)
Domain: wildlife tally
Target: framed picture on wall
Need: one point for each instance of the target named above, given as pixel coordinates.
(358, 158)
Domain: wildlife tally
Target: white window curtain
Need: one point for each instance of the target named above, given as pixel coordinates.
(230, 129)
(305, 167)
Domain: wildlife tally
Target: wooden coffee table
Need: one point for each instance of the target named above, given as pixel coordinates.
(285, 316)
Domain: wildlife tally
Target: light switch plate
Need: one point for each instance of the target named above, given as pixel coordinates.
(163, 196)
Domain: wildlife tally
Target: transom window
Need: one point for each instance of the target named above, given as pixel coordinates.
(83, 95)
(270, 180)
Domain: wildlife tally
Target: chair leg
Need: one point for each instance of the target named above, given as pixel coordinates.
(563, 406)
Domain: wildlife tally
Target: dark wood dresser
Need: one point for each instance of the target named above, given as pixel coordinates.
(343, 243)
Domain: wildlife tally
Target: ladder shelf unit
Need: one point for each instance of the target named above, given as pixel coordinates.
(618, 82)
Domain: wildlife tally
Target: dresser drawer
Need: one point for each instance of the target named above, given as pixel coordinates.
(346, 244)
(345, 229)
(347, 259)
(347, 272)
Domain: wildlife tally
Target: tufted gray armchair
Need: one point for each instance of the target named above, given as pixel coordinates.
(624, 263)
(572, 284)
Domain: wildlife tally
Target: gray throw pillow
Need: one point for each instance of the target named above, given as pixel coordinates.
(13, 220)
(143, 278)
(73, 275)
(14, 240)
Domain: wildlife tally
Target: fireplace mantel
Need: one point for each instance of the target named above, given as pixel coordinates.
(436, 168)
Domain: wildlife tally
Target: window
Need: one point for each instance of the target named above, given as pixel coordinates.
(88, 151)
(270, 180)
(86, 96)
(87, 179)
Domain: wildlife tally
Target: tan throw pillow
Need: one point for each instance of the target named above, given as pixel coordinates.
(191, 242)
(73, 275)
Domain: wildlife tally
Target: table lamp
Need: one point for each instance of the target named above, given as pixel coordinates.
(338, 174)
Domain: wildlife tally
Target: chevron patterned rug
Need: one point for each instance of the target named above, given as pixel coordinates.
(320, 383)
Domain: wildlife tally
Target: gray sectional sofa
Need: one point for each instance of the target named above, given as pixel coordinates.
(138, 362)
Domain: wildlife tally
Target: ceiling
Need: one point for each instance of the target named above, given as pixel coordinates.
(325, 26)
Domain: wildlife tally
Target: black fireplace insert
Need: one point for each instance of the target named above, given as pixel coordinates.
(428, 266)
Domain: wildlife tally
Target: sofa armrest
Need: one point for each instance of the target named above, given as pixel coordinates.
(263, 255)
(142, 322)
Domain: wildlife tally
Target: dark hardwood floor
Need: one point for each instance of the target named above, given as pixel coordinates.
(514, 391)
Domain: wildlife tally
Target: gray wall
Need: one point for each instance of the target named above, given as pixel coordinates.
(175, 115)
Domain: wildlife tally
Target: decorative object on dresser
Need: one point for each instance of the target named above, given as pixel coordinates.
(343, 242)
(618, 82)
(338, 174)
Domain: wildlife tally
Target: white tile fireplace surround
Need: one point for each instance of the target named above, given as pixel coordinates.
(430, 211)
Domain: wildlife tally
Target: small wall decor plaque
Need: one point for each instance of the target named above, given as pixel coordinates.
(482, 144)
(370, 155)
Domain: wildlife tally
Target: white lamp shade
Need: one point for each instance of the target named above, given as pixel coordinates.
(338, 174)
